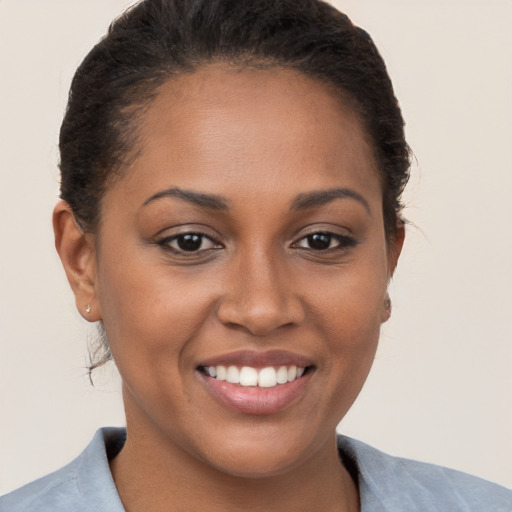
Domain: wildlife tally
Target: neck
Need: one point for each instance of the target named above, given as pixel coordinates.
(152, 475)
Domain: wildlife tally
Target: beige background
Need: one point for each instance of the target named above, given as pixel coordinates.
(441, 387)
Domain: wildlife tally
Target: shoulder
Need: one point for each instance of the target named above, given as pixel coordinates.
(388, 483)
(52, 492)
(85, 484)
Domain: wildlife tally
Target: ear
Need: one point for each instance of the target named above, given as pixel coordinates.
(394, 249)
(78, 256)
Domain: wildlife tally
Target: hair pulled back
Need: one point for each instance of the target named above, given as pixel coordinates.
(156, 40)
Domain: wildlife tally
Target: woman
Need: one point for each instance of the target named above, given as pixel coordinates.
(231, 183)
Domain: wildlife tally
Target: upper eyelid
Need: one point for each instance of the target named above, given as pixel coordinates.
(327, 231)
(188, 232)
(184, 233)
(337, 236)
(187, 229)
(322, 227)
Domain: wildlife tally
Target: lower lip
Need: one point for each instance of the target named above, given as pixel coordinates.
(256, 400)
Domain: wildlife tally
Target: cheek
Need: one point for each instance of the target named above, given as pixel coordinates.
(351, 299)
(352, 352)
(349, 313)
(151, 313)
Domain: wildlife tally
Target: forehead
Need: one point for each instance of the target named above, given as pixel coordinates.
(225, 129)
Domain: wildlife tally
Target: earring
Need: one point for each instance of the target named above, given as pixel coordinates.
(88, 308)
(387, 303)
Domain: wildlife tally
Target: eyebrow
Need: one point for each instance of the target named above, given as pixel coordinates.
(321, 197)
(209, 201)
(303, 201)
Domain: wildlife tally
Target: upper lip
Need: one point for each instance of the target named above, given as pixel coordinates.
(258, 359)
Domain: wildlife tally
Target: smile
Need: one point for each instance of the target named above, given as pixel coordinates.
(246, 376)
(252, 382)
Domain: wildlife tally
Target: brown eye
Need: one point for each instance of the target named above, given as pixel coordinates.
(188, 243)
(324, 241)
(319, 241)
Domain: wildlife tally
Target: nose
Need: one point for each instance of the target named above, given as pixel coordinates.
(259, 296)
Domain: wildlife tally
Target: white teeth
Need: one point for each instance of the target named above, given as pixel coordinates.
(282, 375)
(233, 375)
(248, 376)
(220, 371)
(267, 377)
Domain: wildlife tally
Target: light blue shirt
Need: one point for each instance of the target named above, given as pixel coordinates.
(386, 483)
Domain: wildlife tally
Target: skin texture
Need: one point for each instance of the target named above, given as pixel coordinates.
(260, 139)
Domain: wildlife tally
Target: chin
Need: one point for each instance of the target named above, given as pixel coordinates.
(260, 452)
(256, 463)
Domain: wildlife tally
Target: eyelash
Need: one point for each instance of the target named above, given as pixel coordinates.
(166, 242)
(344, 242)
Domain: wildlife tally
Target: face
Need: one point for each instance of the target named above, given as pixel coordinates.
(247, 237)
